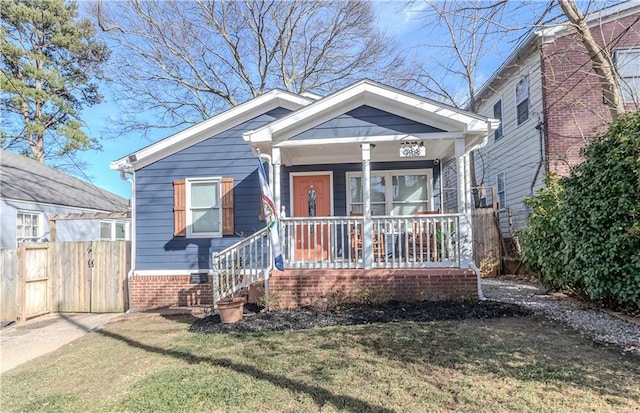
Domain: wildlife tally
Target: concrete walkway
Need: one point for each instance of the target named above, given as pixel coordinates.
(44, 334)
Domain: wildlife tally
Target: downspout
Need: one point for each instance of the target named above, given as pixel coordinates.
(132, 230)
(542, 160)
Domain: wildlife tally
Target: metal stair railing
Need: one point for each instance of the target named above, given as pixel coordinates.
(241, 264)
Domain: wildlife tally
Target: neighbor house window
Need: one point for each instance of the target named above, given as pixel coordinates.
(29, 226)
(500, 184)
(392, 192)
(628, 66)
(522, 100)
(497, 114)
(203, 207)
(113, 230)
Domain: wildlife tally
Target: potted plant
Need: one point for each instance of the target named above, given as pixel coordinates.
(231, 309)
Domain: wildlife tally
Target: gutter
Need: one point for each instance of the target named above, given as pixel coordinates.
(132, 228)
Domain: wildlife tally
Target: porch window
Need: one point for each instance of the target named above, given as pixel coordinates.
(392, 192)
(497, 114)
(522, 100)
(113, 231)
(628, 66)
(203, 207)
(500, 184)
(29, 226)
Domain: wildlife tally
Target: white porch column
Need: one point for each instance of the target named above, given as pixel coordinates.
(464, 204)
(275, 158)
(367, 228)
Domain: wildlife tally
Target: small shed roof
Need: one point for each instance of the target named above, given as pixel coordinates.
(24, 179)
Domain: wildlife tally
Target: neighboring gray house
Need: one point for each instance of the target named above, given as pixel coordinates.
(32, 194)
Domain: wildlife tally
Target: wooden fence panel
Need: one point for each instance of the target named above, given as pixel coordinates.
(109, 276)
(486, 241)
(70, 271)
(36, 279)
(9, 285)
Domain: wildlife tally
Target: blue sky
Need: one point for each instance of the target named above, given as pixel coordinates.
(401, 23)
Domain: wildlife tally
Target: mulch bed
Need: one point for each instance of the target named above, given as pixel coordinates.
(352, 314)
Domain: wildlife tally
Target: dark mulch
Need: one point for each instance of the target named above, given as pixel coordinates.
(353, 314)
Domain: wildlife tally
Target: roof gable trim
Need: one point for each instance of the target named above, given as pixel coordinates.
(210, 127)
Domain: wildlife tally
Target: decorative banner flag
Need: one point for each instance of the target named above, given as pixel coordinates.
(271, 217)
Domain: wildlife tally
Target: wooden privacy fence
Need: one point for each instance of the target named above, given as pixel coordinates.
(486, 241)
(40, 278)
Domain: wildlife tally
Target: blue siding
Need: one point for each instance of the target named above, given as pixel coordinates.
(365, 121)
(226, 155)
(340, 179)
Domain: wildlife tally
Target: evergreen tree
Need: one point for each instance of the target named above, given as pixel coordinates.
(50, 60)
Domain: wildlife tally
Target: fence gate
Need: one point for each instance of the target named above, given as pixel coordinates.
(90, 276)
(34, 276)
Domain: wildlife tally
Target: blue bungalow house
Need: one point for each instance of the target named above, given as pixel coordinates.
(372, 183)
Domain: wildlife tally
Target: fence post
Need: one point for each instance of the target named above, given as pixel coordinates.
(22, 282)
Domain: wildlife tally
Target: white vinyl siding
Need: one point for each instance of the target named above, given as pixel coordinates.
(628, 66)
(204, 215)
(517, 153)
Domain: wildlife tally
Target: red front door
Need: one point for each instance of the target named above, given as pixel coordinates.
(312, 197)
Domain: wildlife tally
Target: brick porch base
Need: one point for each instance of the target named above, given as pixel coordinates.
(298, 288)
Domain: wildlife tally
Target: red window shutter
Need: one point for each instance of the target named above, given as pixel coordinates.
(179, 209)
(227, 206)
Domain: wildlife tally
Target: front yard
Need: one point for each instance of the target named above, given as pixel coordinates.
(497, 364)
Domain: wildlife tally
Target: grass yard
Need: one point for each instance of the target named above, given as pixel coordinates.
(497, 365)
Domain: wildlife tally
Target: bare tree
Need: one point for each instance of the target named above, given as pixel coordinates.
(189, 60)
(602, 66)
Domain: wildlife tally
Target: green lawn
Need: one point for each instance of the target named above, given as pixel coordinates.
(155, 365)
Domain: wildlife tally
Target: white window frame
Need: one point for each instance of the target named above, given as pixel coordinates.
(388, 175)
(500, 128)
(501, 205)
(39, 226)
(188, 208)
(112, 225)
(522, 99)
(626, 86)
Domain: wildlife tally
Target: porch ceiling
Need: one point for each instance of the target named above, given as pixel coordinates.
(350, 152)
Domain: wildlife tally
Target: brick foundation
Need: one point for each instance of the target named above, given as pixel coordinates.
(297, 288)
(155, 291)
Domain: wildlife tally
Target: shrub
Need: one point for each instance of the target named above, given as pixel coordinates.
(601, 216)
(541, 241)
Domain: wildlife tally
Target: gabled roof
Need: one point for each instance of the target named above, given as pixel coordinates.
(210, 127)
(377, 95)
(24, 179)
(550, 34)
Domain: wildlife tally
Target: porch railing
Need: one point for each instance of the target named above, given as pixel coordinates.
(241, 264)
(411, 241)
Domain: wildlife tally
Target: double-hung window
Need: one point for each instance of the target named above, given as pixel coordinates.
(113, 230)
(497, 114)
(501, 190)
(392, 192)
(522, 100)
(204, 217)
(628, 66)
(29, 226)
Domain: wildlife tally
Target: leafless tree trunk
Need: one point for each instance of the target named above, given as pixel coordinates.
(190, 60)
(601, 65)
